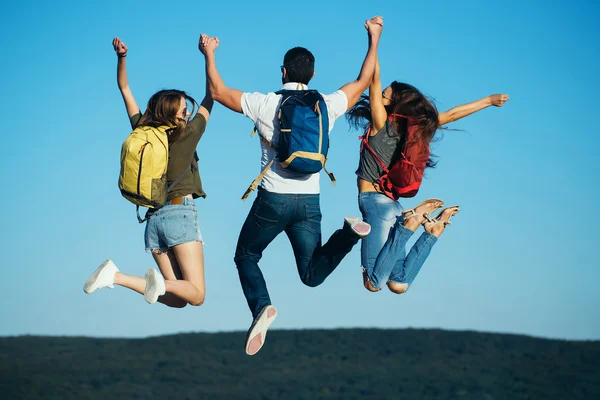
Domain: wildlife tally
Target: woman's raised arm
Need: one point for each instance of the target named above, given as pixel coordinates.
(130, 104)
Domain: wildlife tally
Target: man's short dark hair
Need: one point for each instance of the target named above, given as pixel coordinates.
(299, 64)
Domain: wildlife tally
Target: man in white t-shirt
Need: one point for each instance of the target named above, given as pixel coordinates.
(288, 201)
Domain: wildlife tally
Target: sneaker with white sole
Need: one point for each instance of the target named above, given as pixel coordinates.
(155, 286)
(258, 330)
(358, 226)
(103, 277)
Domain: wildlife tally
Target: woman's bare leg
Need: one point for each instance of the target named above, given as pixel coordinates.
(169, 268)
(138, 284)
(189, 257)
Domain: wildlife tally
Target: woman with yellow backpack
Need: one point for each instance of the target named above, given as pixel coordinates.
(159, 170)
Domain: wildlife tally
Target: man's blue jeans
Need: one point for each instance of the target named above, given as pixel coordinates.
(299, 215)
(383, 252)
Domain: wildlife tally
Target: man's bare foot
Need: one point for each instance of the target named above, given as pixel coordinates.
(416, 216)
(437, 225)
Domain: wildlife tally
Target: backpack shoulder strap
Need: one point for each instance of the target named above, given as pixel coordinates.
(366, 145)
(257, 181)
(179, 178)
(262, 138)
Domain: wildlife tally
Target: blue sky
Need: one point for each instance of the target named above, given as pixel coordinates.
(519, 258)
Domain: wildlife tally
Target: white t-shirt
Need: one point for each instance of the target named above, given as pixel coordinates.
(262, 110)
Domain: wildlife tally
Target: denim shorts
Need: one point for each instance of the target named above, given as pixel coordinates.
(171, 225)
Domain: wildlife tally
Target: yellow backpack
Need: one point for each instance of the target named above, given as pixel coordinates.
(144, 160)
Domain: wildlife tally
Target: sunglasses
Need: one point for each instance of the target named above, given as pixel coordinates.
(385, 96)
(184, 113)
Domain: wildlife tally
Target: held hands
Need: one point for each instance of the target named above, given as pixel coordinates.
(374, 26)
(498, 100)
(207, 44)
(120, 47)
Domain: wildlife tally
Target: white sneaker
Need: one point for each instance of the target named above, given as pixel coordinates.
(258, 330)
(358, 226)
(155, 286)
(103, 277)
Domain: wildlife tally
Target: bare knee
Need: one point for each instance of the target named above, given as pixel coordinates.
(397, 288)
(198, 300)
(197, 303)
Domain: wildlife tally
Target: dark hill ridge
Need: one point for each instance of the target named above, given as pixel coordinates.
(302, 364)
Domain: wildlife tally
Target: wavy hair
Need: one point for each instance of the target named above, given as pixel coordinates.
(408, 101)
(162, 110)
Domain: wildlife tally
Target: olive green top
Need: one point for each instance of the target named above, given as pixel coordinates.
(182, 153)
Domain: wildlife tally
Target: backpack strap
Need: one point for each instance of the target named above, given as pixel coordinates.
(365, 144)
(140, 220)
(257, 181)
(179, 178)
(171, 186)
(329, 174)
(259, 178)
(262, 138)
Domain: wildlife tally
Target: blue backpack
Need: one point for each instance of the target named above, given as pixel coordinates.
(304, 135)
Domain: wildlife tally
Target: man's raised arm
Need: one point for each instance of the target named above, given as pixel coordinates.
(230, 98)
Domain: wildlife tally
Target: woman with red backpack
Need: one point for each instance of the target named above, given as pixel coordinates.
(400, 123)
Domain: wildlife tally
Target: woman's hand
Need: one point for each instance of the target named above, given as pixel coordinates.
(207, 44)
(371, 25)
(120, 47)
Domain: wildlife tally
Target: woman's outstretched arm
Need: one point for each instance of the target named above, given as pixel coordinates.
(130, 104)
(464, 110)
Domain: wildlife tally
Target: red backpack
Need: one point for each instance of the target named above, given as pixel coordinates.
(404, 177)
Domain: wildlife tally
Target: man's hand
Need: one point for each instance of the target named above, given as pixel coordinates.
(498, 100)
(207, 44)
(120, 47)
(374, 26)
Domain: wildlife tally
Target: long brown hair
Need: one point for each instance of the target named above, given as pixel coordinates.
(406, 100)
(162, 110)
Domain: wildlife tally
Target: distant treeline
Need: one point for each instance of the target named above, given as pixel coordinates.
(301, 364)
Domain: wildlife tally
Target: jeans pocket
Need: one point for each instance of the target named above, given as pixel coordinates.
(386, 211)
(178, 224)
(267, 213)
(312, 221)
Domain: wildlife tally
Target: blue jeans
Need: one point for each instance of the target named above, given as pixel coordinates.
(383, 252)
(299, 215)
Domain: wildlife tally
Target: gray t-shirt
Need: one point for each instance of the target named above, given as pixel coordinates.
(384, 143)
